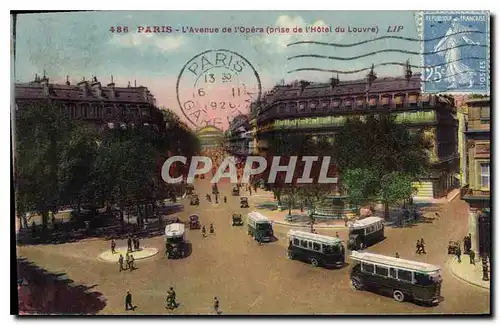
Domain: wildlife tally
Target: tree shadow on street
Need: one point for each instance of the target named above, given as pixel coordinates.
(43, 292)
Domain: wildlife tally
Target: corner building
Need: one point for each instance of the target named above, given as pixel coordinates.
(97, 105)
(321, 109)
(476, 192)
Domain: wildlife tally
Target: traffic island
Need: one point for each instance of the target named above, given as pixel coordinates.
(470, 273)
(141, 254)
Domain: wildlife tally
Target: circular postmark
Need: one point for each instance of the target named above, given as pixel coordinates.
(216, 85)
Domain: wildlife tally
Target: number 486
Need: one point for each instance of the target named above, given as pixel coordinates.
(434, 74)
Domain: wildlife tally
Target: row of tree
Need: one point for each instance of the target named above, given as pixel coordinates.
(377, 159)
(62, 162)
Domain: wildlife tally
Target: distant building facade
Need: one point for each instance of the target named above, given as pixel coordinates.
(239, 137)
(321, 109)
(476, 192)
(92, 102)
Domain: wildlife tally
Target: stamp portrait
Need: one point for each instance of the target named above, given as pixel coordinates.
(456, 52)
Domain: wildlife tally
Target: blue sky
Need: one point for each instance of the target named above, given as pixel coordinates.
(80, 44)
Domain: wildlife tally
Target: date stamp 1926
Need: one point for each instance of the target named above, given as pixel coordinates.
(456, 52)
(216, 85)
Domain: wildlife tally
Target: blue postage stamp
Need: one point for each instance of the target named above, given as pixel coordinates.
(455, 52)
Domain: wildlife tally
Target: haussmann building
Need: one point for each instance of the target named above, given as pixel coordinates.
(322, 108)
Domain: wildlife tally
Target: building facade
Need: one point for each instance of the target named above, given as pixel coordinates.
(93, 103)
(476, 192)
(239, 137)
(321, 109)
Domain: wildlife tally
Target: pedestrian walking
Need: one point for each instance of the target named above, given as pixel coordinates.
(33, 227)
(437, 215)
(113, 246)
(472, 257)
(129, 243)
(216, 305)
(212, 230)
(131, 263)
(250, 190)
(422, 246)
(225, 199)
(171, 302)
(458, 253)
(204, 231)
(127, 260)
(397, 255)
(120, 261)
(138, 244)
(337, 234)
(128, 301)
(418, 251)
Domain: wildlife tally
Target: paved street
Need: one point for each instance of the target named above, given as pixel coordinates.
(248, 278)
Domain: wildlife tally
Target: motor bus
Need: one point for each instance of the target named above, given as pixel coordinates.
(404, 280)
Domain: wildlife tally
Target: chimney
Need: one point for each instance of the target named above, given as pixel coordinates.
(96, 86)
(371, 77)
(111, 86)
(408, 72)
(45, 82)
(84, 86)
(303, 85)
(334, 81)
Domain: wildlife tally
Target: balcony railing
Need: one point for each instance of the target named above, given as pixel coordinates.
(467, 192)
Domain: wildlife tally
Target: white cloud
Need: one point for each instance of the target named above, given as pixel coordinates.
(164, 43)
(278, 42)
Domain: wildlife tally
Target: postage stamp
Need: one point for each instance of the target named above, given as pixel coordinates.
(455, 52)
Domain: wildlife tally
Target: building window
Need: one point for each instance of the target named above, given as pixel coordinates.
(336, 104)
(485, 175)
(373, 101)
(303, 243)
(347, 103)
(412, 100)
(317, 247)
(393, 273)
(386, 101)
(312, 105)
(324, 104)
(302, 107)
(398, 100)
(360, 103)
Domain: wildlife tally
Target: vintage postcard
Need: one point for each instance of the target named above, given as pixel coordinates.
(251, 162)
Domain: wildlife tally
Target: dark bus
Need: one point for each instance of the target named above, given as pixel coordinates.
(365, 232)
(315, 249)
(259, 227)
(404, 280)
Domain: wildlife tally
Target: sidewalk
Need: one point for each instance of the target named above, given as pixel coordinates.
(472, 274)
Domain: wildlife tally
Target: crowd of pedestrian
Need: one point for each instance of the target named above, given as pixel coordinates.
(129, 260)
(420, 247)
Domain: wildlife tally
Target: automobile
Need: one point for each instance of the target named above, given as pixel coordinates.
(194, 221)
(453, 247)
(175, 245)
(236, 191)
(194, 200)
(237, 219)
(244, 202)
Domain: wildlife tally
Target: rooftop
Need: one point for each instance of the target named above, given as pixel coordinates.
(363, 223)
(174, 230)
(394, 262)
(257, 216)
(314, 237)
